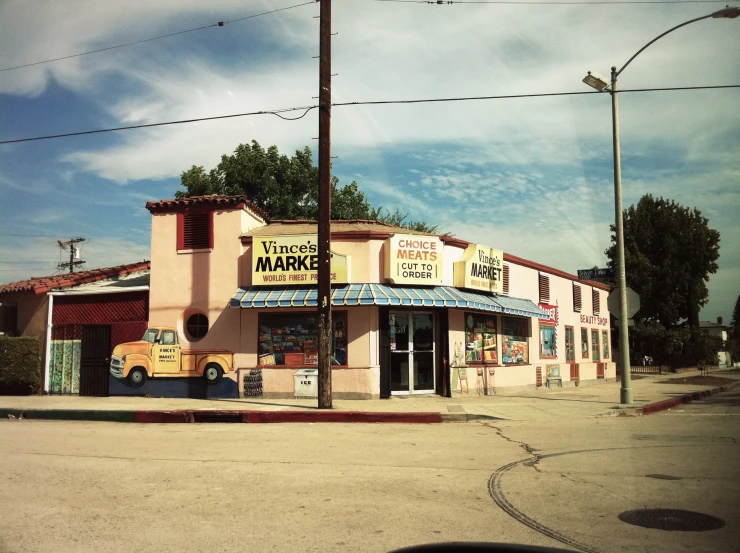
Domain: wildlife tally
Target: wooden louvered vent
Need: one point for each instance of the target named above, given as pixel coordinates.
(544, 289)
(506, 279)
(196, 231)
(596, 301)
(576, 298)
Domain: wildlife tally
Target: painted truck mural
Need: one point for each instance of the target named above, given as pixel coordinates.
(158, 355)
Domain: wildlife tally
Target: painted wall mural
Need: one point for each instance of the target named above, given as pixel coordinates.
(64, 364)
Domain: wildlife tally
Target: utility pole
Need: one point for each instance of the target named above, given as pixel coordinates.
(74, 253)
(324, 272)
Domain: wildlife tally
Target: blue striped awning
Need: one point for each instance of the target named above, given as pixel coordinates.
(382, 294)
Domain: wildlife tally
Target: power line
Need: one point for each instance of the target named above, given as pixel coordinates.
(554, 3)
(180, 122)
(306, 109)
(28, 235)
(28, 263)
(219, 24)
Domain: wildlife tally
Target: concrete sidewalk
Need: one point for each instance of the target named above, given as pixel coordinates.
(650, 394)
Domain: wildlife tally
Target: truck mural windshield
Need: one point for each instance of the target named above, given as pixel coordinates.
(150, 335)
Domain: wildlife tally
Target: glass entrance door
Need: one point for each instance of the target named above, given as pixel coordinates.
(412, 353)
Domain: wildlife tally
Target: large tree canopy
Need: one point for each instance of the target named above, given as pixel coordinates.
(670, 251)
(285, 187)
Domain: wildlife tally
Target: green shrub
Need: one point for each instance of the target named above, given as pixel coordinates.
(20, 365)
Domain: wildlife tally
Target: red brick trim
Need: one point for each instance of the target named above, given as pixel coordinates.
(454, 242)
(551, 270)
(344, 236)
(41, 285)
(209, 203)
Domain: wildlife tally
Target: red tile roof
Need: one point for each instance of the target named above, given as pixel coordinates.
(214, 200)
(41, 285)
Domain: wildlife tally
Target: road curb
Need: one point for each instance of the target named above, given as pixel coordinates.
(223, 416)
(686, 398)
(69, 415)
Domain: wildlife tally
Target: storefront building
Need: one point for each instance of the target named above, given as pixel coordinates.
(412, 313)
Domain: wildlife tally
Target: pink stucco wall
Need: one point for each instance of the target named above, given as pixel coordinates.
(187, 282)
(183, 283)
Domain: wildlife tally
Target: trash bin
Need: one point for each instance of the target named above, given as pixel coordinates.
(306, 383)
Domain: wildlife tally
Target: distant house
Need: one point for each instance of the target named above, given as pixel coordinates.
(718, 329)
(78, 317)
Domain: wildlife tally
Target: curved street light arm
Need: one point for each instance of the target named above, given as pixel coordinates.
(615, 75)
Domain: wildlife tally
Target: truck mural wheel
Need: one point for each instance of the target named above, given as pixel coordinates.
(213, 373)
(137, 377)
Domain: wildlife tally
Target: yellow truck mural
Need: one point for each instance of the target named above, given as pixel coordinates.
(158, 354)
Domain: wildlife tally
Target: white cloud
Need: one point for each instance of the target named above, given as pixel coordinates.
(25, 257)
(553, 154)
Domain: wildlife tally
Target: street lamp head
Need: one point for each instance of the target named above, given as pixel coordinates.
(594, 80)
(730, 12)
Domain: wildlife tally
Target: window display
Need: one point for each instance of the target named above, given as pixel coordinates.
(595, 345)
(293, 339)
(584, 343)
(605, 343)
(514, 346)
(480, 339)
(570, 349)
(548, 337)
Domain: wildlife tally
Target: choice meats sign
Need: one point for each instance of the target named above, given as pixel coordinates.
(413, 259)
(292, 259)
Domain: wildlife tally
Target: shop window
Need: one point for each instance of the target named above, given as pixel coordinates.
(576, 298)
(596, 301)
(594, 345)
(584, 343)
(548, 341)
(292, 339)
(570, 346)
(506, 279)
(480, 338)
(196, 326)
(605, 343)
(195, 230)
(514, 345)
(544, 289)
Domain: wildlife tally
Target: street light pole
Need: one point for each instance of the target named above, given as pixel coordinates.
(625, 392)
(599, 83)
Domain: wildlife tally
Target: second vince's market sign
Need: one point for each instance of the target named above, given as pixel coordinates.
(480, 268)
(413, 259)
(292, 259)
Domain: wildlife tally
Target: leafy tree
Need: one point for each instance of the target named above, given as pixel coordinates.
(670, 251)
(285, 187)
(733, 338)
(399, 219)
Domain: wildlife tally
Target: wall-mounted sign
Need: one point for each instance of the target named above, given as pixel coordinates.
(594, 320)
(606, 273)
(552, 310)
(480, 268)
(413, 259)
(293, 259)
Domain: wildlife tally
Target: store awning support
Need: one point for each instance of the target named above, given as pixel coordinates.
(349, 295)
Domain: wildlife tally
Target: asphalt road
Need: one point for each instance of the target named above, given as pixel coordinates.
(67, 486)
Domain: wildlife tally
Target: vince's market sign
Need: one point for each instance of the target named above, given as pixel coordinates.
(293, 259)
(413, 259)
(480, 268)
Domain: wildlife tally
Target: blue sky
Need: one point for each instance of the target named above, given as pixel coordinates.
(530, 176)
